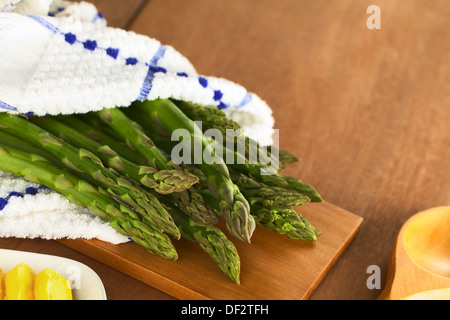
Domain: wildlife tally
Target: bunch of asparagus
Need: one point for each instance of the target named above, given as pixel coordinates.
(118, 163)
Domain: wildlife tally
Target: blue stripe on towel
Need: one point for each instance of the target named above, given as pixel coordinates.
(4, 105)
(45, 23)
(88, 44)
(152, 69)
(152, 65)
(247, 98)
(29, 190)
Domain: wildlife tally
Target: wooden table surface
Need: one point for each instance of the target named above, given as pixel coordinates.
(367, 110)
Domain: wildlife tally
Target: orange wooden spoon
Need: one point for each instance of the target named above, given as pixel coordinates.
(420, 259)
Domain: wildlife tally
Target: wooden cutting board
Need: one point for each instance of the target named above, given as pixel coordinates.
(273, 267)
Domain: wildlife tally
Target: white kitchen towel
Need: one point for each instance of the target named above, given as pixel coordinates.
(28, 210)
(60, 57)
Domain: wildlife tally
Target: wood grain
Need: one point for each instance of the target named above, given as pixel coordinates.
(272, 266)
(368, 111)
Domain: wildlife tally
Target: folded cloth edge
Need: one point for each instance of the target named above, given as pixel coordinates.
(66, 35)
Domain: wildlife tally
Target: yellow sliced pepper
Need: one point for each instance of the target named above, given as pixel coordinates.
(50, 285)
(18, 283)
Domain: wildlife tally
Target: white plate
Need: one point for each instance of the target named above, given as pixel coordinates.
(86, 284)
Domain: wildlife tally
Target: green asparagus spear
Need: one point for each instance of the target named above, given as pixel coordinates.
(84, 163)
(86, 128)
(233, 205)
(285, 157)
(285, 221)
(194, 205)
(189, 200)
(232, 135)
(286, 182)
(133, 135)
(275, 179)
(38, 170)
(268, 196)
(247, 169)
(212, 240)
(163, 181)
(272, 207)
(213, 118)
(9, 140)
(281, 220)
